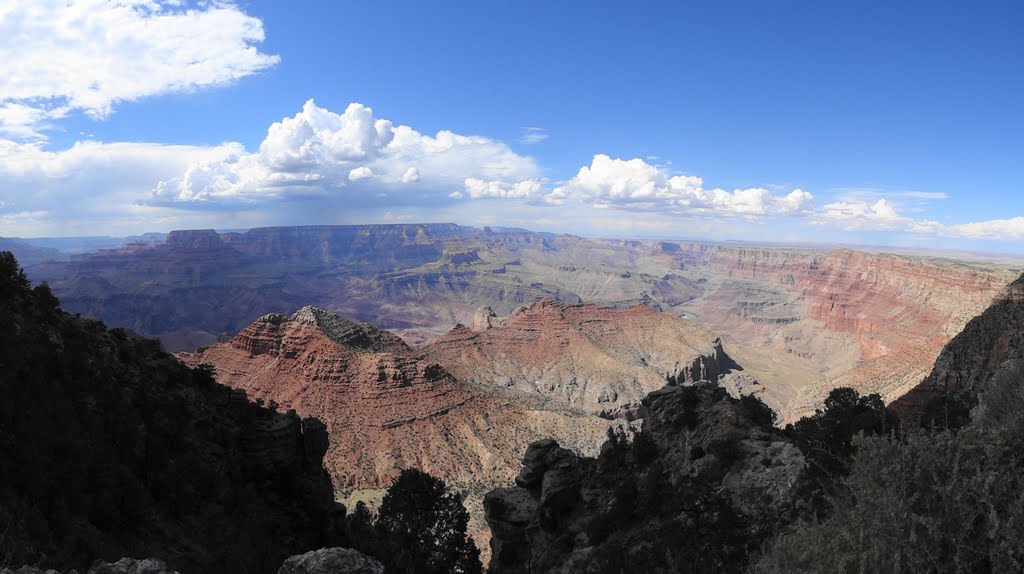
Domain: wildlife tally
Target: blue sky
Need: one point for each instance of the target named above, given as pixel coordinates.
(857, 122)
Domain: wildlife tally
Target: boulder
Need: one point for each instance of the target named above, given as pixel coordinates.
(331, 561)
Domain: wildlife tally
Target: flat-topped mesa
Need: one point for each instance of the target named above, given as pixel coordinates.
(198, 239)
(369, 246)
(595, 359)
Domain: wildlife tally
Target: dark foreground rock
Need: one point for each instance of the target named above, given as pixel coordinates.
(704, 482)
(110, 447)
(331, 561)
(122, 566)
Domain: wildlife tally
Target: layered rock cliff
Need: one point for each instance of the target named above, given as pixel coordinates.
(111, 447)
(698, 488)
(597, 360)
(973, 357)
(806, 322)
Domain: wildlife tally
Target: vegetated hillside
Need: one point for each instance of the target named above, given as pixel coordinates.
(945, 496)
(800, 321)
(110, 447)
(700, 487)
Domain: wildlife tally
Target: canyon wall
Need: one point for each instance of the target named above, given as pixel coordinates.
(987, 344)
(874, 322)
(598, 360)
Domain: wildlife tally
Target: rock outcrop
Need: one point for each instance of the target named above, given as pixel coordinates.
(972, 358)
(698, 487)
(331, 561)
(122, 566)
(111, 447)
(597, 360)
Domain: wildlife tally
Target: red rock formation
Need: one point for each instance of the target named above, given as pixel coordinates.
(595, 359)
(386, 408)
(895, 313)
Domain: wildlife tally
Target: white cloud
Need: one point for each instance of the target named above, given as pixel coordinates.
(1012, 228)
(352, 155)
(361, 172)
(637, 185)
(880, 215)
(480, 189)
(90, 188)
(531, 136)
(883, 215)
(62, 56)
(411, 175)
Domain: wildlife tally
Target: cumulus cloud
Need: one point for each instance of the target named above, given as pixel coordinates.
(637, 185)
(880, 215)
(411, 175)
(1012, 228)
(361, 172)
(356, 156)
(89, 55)
(480, 189)
(883, 215)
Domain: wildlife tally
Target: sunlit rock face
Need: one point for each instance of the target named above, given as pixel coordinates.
(386, 406)
(585, 357)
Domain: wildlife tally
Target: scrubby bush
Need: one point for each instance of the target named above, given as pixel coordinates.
(933, 500)
(421, 528)
(826, 438)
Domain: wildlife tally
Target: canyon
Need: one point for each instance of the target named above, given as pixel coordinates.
(799, 320)
(451, 348)
(455, 349)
